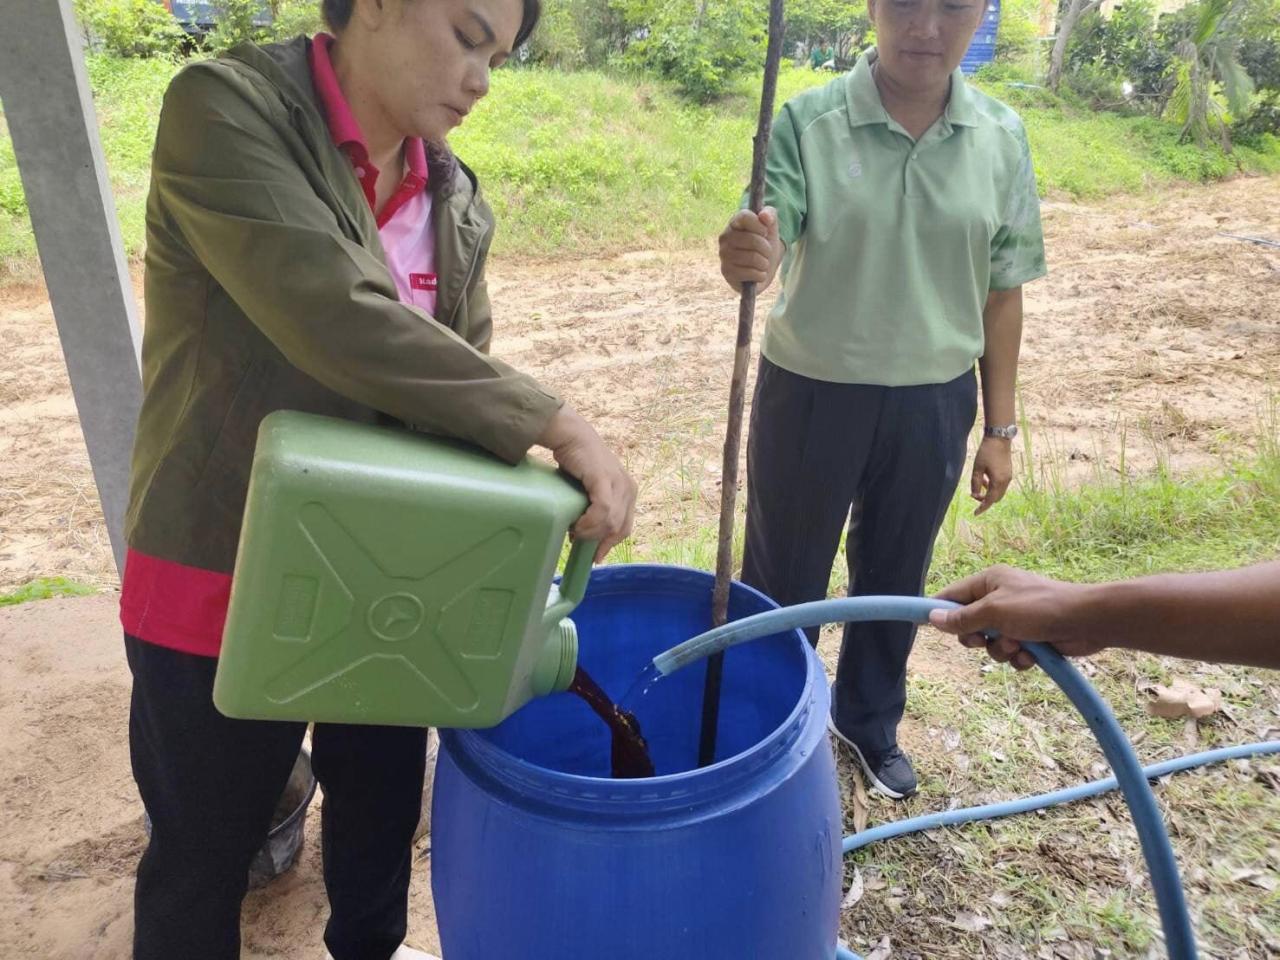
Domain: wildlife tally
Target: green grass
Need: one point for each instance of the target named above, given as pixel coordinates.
(589, 163)
(126, 95)
(45, 588)
(981, 733)
(1116, 525)
(1067, 882)
(1122, 526)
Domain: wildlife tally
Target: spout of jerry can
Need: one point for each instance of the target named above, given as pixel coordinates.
(558, 661)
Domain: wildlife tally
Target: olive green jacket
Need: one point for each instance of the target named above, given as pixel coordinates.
(267, 289)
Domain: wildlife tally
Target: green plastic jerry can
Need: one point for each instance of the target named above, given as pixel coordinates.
(389, 577)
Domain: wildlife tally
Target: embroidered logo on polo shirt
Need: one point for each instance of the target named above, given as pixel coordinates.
(423, 281)
(855, 169)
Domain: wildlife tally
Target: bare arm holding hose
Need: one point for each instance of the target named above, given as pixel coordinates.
(1228, 616)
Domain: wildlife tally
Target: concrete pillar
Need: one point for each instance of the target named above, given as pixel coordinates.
(49, 110)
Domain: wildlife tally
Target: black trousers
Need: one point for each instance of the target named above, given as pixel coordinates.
(888, 460)
(210, 785)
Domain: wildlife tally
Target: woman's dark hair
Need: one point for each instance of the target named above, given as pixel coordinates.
(337, 13)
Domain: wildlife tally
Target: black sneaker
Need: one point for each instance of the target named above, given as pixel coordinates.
(888, 772)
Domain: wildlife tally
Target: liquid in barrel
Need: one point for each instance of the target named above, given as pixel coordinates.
(630, 758)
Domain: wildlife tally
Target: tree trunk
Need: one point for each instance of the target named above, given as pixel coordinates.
(702, 13)
(1075, 11)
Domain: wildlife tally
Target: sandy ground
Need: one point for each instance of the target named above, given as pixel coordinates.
(1154, 340)
(72, 828)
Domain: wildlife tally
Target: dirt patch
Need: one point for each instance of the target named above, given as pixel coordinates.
(1154, 339)
(72, 830)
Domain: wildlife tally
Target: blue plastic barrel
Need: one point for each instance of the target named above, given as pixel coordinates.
(983, 48)
(536, 855)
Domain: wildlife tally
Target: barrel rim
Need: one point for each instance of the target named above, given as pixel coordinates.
(687, 792)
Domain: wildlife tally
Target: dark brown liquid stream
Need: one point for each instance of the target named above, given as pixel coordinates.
(630, 753)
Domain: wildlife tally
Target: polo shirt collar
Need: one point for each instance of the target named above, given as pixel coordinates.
(960, 107)
(865, 107)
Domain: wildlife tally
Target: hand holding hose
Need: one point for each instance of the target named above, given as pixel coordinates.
(1227, 616)
(1015, 606)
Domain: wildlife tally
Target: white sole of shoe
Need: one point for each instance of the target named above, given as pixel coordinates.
(409, 953)
(403, 952)
(876, 784)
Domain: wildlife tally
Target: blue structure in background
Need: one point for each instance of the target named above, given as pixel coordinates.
(198, 17)
(983, 48)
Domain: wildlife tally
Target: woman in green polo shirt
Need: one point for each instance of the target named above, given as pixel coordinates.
(902, 209)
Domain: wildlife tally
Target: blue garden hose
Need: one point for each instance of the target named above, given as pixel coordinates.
(1129, 773)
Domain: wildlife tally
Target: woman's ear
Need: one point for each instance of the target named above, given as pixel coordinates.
(371, 13)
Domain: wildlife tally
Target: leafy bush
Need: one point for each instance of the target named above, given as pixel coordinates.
(828, 23)
(236, 22)
(294, 17)
(1261, 57)
(1015, 73)
(1264, 120)
(701, 45)
(1127, 46)
(555, 148)
(1017, 40)
(1018, 36)
(129, 28)
(1096, 86)
(574, 34)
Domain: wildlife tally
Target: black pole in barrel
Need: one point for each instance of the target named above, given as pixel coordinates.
(737, 400)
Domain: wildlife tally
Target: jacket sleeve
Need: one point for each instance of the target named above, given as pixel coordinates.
(224, 175)
(480, 309)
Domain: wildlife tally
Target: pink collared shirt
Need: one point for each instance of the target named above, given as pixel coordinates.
(404, 225)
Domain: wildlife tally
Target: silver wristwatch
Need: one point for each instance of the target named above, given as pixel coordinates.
(1002, 433)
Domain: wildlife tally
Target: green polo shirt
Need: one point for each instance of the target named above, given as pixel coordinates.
(893, 244)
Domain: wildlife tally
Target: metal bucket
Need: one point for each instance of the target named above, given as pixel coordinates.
(284, 840)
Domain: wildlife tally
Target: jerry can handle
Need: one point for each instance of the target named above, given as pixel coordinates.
(573, 584)
(577, 570)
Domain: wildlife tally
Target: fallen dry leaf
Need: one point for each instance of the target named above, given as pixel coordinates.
(856, 889)
(883, 950)
(861, 805)
(968, 920)
(1257, 878)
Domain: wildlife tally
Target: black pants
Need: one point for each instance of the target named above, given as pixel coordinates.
(886, 458)
(210, 786)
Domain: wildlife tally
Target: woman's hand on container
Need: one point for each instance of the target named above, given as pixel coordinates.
(581, 453)
(750, 248)
(992, 473)
(1017, 606)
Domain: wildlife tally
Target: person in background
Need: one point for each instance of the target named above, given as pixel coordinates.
(903, 214)
(313, 245)
(1221, 617)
